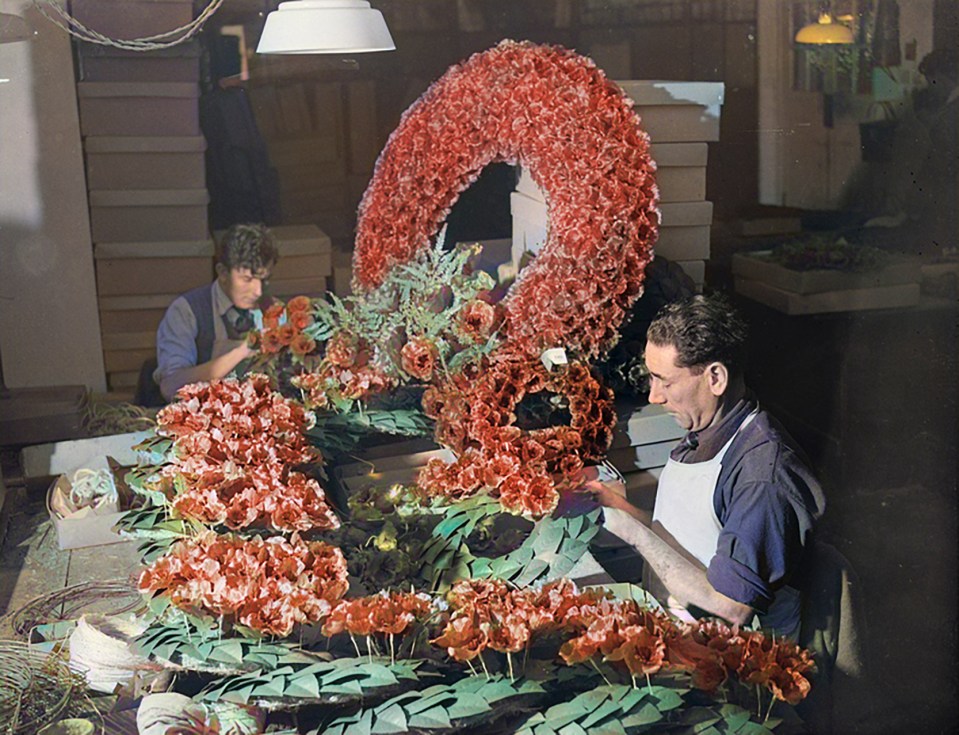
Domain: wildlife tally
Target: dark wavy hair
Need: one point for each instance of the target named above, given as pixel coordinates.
(248, 246)
(703, 329)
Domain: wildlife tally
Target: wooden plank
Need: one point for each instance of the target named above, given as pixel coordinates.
(880, 297)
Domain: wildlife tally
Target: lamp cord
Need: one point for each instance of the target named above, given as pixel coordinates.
(58, 15)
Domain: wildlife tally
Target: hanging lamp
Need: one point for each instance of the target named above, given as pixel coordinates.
(325, 27)
(825, 31)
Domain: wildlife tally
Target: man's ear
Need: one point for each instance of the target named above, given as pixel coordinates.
(718, 376)
(221, 270)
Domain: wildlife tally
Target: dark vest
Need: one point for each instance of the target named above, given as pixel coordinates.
(200, 300)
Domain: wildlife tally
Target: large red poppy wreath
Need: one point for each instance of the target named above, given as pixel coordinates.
(555, 113)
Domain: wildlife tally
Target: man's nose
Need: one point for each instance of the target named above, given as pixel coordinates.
(655, 394)
(257, 287)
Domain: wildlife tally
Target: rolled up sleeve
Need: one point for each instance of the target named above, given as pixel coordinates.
(176, 346)
(761, 542)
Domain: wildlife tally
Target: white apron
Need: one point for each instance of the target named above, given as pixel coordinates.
(684, 505)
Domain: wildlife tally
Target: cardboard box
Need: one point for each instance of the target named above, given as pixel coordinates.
(695, 269)
(139, 108)
(145, 215)
(302, 266)
(133, 276)
(298, 287)
(683, 243)
(58, 458)
(686, 214)
(677, 112)
(127, 162)
(132, 18)
(681, 183)
(93, 529)
(143, 67)
(134, 320)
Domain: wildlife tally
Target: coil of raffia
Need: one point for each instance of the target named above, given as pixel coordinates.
(70, 602)
(35, 687)
(101, 648)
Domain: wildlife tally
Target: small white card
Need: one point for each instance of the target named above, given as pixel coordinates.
(554, 357)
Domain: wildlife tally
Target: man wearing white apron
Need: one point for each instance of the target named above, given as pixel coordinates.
(736, 502)
(201, 337)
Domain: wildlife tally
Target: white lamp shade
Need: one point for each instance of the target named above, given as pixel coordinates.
(324, 27)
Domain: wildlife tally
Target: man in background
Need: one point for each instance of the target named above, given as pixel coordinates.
(202, 335)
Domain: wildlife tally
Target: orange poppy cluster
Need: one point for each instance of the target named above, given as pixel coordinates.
(474, 414)
(235, 442)
(268, 585)
(345, 372)
(283, 326)
(489, 614)
(387, 613)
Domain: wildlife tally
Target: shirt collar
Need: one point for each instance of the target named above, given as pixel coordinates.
(221, 302)
(702, 446)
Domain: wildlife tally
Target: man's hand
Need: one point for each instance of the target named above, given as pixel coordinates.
(610, 494)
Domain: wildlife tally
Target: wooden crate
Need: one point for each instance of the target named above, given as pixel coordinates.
(853, 299)
(760, 266)
(126, 162)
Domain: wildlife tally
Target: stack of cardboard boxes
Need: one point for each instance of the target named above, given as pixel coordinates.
(144, 151)
(681, 118)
